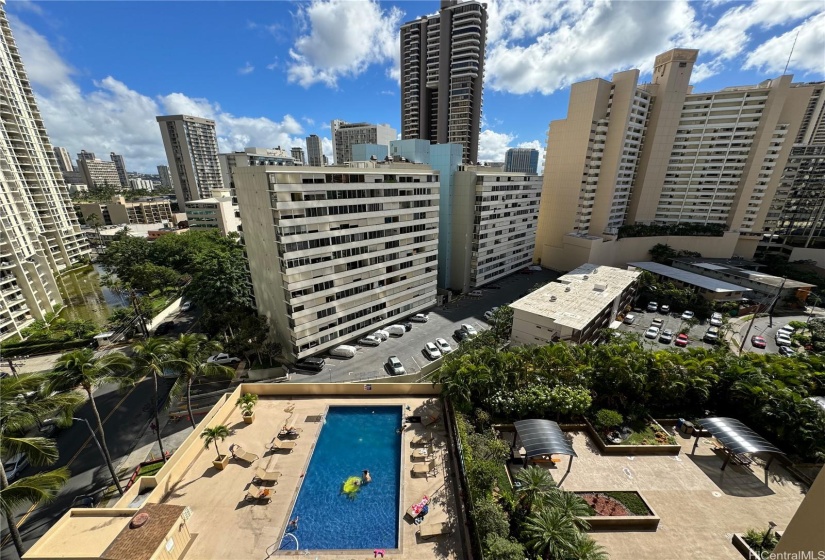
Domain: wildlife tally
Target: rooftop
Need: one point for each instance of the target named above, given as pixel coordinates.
(578, 296)
(723, 267)
(704, 282)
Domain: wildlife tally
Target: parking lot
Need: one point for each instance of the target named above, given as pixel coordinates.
(672, 322)
(369, 361)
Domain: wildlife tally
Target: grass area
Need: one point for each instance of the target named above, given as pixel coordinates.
(646, 435)
(265, 365)
(151, 470)
(631, 501)
(505, 488)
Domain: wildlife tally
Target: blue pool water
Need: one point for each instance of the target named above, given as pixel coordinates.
(352, 439)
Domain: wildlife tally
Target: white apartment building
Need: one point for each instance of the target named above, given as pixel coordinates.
(64, 160)
(98, 173)
(39, 232)
(249, 157)
(336, 252)
(119, 211)
(345, 135)
(213, 213)
(494, 218)
(141, 184)
(192, 152)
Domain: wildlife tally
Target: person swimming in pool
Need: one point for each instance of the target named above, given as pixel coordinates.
(293, 525)
(366, 478)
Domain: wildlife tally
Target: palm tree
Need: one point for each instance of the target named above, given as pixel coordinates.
(212, 435)
(536, 486)
(585, 548)
(20, 410)
(190, 352)
(550, 534)
(246, 403)
(152, 357)
(570, 505)
(82, 368)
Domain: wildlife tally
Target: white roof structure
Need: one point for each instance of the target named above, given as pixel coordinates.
(573, 300)
(704, 282)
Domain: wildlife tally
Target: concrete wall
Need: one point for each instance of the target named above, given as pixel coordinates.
(163, 315)
(804, 534)
(463, 214)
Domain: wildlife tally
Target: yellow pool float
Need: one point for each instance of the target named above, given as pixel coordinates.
(351, 486)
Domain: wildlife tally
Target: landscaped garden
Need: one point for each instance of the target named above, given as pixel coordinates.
(611, 504)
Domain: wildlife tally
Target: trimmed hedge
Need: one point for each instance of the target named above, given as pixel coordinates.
(15, 350)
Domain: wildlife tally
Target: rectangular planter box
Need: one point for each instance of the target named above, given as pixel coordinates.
(622, 522)
(606, 449)
(739, 543)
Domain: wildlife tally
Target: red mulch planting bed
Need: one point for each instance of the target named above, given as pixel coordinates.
(605, 505)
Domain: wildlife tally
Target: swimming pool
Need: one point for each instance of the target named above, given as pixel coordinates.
(352, 439)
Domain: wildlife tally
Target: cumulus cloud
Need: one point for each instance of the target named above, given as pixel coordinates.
(342, 39)
(246, 69)
(113, 117)
(492, 146)
(771, 56)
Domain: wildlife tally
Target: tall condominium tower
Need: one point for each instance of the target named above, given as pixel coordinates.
(39, 232)
(98, 173)
(120, 164)
(345, 135)
(442, 69)
(64, 161)
(660, 153)
(86, 155)
(298, 155)
(314, 151)
(192, 151)
(165, 176)
(522, 160)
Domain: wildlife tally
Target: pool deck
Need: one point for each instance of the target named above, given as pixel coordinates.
(700, 505)
(226, 525)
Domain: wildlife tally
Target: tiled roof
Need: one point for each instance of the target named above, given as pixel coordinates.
(142, 542)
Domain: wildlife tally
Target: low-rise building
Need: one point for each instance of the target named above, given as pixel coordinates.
(167, 230)
(141, 184)
(213, 213)
(574, 307)
(119, 211)
(712, 289)
(100, 237)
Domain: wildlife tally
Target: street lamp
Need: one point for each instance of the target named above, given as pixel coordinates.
(771, 527)
(102, 454)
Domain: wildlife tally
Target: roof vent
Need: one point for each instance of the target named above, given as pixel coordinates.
(139, 520)
(567, 289)
(553, 298)
(600, 287)
(586, 277)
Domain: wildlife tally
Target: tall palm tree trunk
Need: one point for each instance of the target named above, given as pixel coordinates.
(157, 416)
(189, 403)
(13, 530)
(103, 442)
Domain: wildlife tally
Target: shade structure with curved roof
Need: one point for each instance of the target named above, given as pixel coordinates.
(543, 437)
(737, 437)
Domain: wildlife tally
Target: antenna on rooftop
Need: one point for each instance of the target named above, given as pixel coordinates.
(785, 71)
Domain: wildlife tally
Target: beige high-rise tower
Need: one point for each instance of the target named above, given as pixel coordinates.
(658, 153)
(192, 151)
(39, 232)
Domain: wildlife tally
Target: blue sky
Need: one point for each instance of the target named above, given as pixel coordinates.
(271, 73)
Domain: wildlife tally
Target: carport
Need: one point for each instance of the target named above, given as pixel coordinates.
(738, 439)
(543, 437)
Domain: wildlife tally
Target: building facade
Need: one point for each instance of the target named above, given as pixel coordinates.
(521, 160)
(118, 211)
(345, 135)
(141, 184)
(315, 154)
(86, 155)
(64, 161)
(192, 152)
(336, 252)
(250, 157)
(442, 70)
(213, 213)
(98, 173)
(165, 176)
(39, 232)
(120, 164)
(298, 155)
(659, 153)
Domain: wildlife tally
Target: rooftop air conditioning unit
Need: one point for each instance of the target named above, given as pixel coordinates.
(600, 287)
(567, 289)
(553, 298)
(586, 277)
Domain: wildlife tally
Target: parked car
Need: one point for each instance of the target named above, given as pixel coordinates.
(311, 364)
(488, 315)
(666, 337)
(629, 318)
(84, 501)
(396, 330)
(344, 351)
(712, 335)
(469, 329)
(664, 309)
(476, 293)
(164, 328)
(716, 320)
(395, 366)
(407, 326)
(382, 334)
(658, 323)
(787, 329)
(652, 332)
(223, 359)
(432, 351)
(786, 351)
(443, 346)
(687, 315)
(782, 340)
(187, 305)
(15, 466)
(461, 335)
(370, 340)
(49, 428)
(758, 342)
(681, 340)
(420, 318)
(652, 306)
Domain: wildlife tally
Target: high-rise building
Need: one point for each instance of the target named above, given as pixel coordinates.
(137, 183)
(248, 158)
(298, 155)
(86, 155)
(192, 151)
(120, 164)
(442, 69)
(165, 176)
(64, 161)
(119, 211)
(352, 248)
(522, 160)
(314, 151)
(213, 213)
(345, 135)
(39, 232)
(99, 174)
(660, 153)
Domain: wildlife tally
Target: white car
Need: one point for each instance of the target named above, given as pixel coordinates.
(782, 340)
(187, 305)
(370, 340)
(420, 318)
(716, 320)
(431, 351)
(223, 359)
(687, 315)
(382, 334)
(15, 466)
(443, 346)
(469, 329)
(476, 293)
(395, 366)
(489, 315)
(652, 332)
(629, 318)
(652, 306)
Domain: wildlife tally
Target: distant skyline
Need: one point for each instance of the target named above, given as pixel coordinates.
(272, 73)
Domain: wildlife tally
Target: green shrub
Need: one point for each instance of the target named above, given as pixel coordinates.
(500, 548)
(606, 419)
(37, 349)
(490, 518)
(482, 476)
(755, 538)
(798, 325)
(631, 501)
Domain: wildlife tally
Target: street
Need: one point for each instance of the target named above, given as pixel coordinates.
(761, 328)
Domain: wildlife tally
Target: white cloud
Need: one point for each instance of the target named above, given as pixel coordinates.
(113, 117)
(492, 145)
(772, 55)
(309, 121)
(246, 69)
(343, 38)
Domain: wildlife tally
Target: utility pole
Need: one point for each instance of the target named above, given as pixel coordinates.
(138, 314)
(747, 332)
(773, 303)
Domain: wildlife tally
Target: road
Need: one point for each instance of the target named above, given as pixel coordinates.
(369, 361)
(761, 328)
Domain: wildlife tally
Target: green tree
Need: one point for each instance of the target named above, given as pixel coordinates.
(502, 548)
(550, 533)
(188, 358)
(154, 357)
(662, 253)
(606, 419)
(502, 324)
(536, 487)
(584, 547)
(123, 254)
(148, 277)
(212, 435)
(220, 282)
(570, 505)
(80, 368)
(490, 518)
